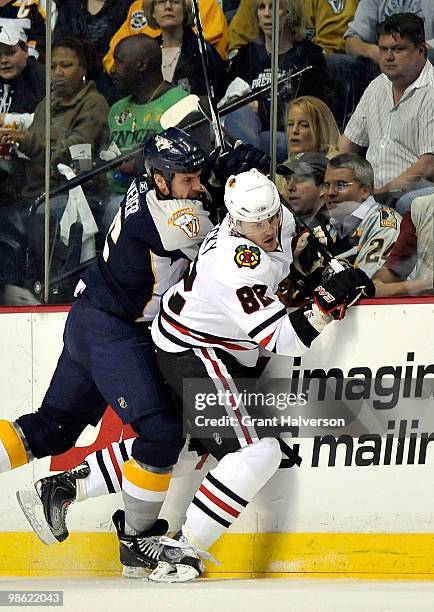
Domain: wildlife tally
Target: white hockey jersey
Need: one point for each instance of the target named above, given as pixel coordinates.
(227, 300)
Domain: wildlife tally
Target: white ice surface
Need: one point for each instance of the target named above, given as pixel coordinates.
(208, 595)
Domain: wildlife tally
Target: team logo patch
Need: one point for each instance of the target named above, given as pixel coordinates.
(187, 221)
(162, 143)
(217, 438)
(247, 256)
(388, 219)
(123, 117)
(337, 6)
(138, 20)
(122, 402)
(143, 186)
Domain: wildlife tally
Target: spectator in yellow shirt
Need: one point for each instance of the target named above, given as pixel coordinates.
(328, 18)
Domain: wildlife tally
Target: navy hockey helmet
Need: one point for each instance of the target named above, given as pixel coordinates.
(172, 151)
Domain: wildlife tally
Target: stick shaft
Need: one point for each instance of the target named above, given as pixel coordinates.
(215, 119)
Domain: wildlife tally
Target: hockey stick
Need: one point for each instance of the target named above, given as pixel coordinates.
(179, 111)
(215, 119)
(114, 163)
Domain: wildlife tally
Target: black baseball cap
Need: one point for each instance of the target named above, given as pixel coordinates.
(305, 164)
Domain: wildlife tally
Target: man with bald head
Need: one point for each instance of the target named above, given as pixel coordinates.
(136, 73)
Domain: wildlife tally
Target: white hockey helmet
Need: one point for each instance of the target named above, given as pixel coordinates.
(251, 196)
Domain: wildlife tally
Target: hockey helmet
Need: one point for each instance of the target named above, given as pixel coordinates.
(172, 151)
(251, 196)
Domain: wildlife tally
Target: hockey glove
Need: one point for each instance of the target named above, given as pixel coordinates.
(342, 291)
(242, 158)
(306, 258)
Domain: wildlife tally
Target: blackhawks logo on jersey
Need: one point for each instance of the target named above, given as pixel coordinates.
(247, 256)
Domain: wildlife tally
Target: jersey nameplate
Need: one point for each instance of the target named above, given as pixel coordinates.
(132, 205)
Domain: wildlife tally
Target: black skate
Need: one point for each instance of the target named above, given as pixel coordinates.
(45, 506)
(139, 553)
(179, 561)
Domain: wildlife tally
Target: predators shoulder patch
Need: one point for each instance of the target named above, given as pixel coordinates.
(187, 220)
(247, 256)
(388, 218)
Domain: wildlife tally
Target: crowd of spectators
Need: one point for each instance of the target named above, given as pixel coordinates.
(355, 116)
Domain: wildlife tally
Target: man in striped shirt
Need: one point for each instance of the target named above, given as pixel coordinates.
(395, 116)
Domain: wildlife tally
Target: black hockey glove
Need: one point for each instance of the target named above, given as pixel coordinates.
(242, 158)
(342, 291)
(306, 257)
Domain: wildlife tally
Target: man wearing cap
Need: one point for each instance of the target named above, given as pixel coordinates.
(22, 87)
(302, 189)
(363, 231)
(29, 16)
(22, 78)
(304, 177)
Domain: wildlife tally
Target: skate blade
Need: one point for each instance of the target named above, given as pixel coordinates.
(33, 510)
(165, 572)
(135, 573)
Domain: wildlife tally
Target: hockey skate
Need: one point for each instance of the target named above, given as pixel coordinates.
(179, 561)
(45, 506)
(139, 553)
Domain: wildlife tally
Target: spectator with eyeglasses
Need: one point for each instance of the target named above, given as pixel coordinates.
(363, 231)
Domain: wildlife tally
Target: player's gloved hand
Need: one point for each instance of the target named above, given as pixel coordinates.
(342, 291)
(328, 271)
(305, 256)
(241, 158)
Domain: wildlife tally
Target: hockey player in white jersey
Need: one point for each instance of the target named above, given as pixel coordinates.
(208, 332)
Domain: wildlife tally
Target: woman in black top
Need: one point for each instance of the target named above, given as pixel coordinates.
(181, 61)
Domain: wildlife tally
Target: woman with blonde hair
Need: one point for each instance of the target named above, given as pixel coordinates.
(311, 127)
(181, 61)
(253, 64)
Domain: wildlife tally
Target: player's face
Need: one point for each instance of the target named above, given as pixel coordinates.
(186, 186)
(13, 60)
(400, 60)
(342, 193)
(262, 233)
(300, 136)
(304, 196)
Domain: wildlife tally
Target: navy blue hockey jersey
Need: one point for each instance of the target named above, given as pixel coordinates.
(147, 249)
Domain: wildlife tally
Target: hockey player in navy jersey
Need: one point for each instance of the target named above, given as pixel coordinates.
(108, 356)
